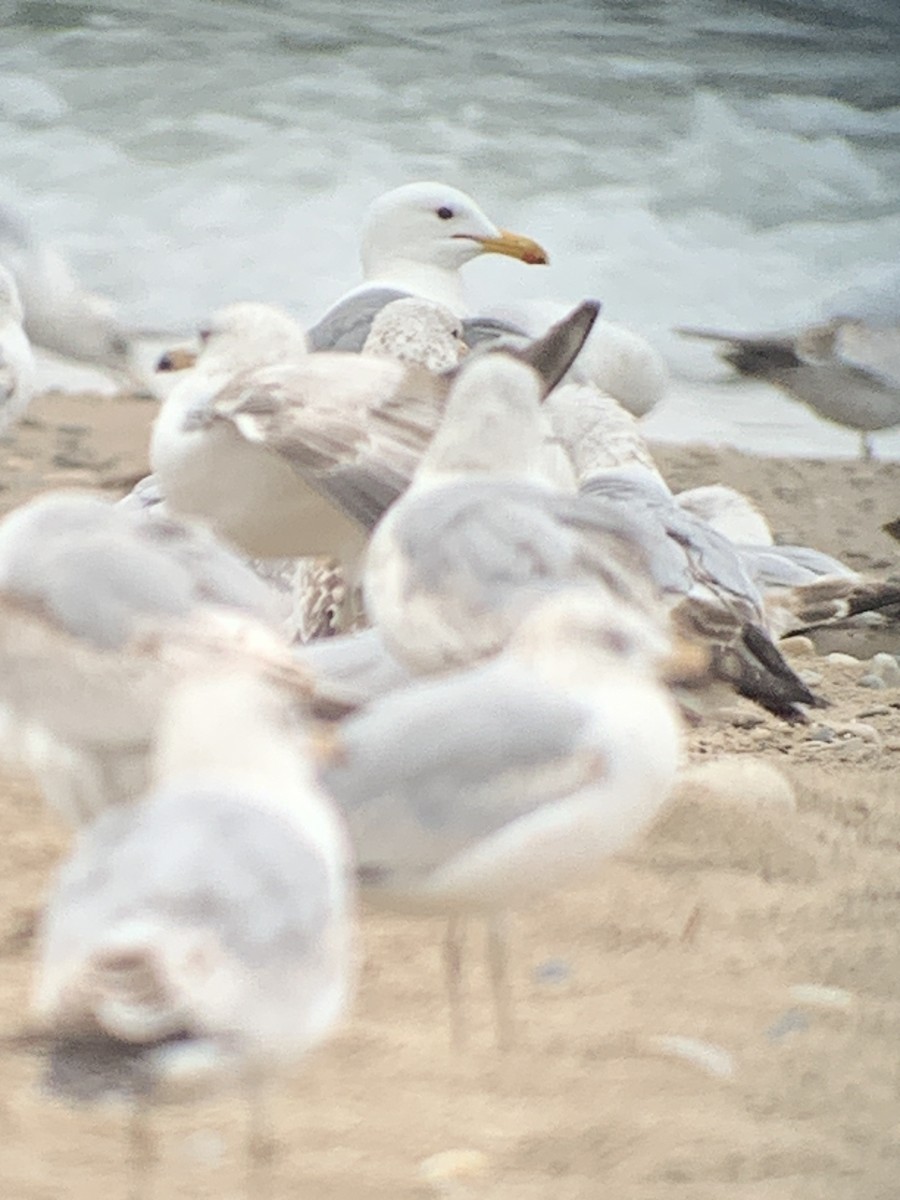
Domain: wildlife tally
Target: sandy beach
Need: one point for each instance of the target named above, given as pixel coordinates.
(762, 924)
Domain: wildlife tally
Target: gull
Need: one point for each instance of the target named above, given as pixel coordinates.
(16, 358)
(102, 611)
(484, 532)
(414, 241)
(302, 457)
(60, 316)
(411, 331)
(805, 590)
(847, 369)
(200, 935)
(417, 332)
(472, 793)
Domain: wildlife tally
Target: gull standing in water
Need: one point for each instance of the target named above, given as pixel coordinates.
(475, 792)
(16, 359)
(414, 241)
(201, 934)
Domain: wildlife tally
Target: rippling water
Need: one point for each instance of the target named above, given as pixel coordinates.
(687, 161)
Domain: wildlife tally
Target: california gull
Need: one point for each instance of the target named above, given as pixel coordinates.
(478, 791)
(200, 935)
(414, 241)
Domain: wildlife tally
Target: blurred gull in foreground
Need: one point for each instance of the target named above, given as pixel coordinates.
(16, 358)
(414, 241)
(200, 935)
(478, 791)
(102, 611)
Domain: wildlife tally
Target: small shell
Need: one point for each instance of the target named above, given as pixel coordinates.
(448, 1168)
(712, 1059)
(814, 995)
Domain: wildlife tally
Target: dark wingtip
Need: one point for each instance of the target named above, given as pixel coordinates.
(552, 354)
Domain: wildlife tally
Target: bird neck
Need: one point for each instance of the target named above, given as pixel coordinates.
(442, 285)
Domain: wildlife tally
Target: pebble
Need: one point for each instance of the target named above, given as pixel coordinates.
(712, 1059)
(870, 681)
(859, 729)
(449, 1167)
(552, 971)
(886, 668)
(737, 779)
(842, 660)
(797, 646)
(815, 995)
(813, 678)
(821, 733)
(791, 1021)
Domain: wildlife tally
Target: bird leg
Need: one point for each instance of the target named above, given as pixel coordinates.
(141, 1156)
(498, 964)
(260, 1146)
(866, 449)
(453, 952)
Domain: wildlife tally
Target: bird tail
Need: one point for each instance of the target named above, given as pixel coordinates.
(834, 599)
(552, 354)
(745, 657)
(123, 1019)
(756, 668)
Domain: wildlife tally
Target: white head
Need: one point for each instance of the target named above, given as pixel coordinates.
(492, 426)
(417, 331)
(437, 225)
(10, 302)
(242, 336)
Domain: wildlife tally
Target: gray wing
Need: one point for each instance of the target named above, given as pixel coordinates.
(495, 545)
(359, 663)
(431, 771)
(346, 325)
(685, 552)
(790, 566)
(483, 331)
(354, 429)
(97, 568)
(193, 857)
(146, 493)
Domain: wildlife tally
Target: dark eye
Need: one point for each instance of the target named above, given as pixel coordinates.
(204, 334)
(445, 213)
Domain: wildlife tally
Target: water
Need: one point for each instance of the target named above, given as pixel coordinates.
(687, 161)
